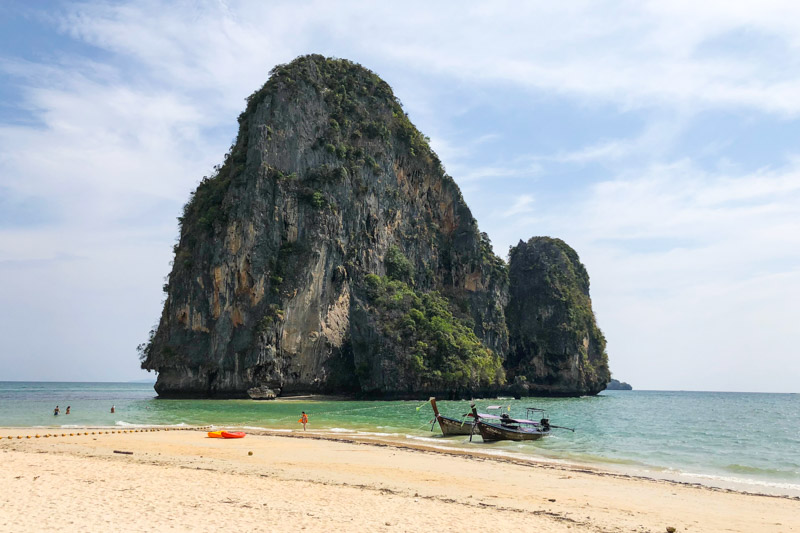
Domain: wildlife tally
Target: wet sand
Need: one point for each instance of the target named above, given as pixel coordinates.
(184, 481)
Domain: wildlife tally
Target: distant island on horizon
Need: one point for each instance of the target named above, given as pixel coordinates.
(618, 385)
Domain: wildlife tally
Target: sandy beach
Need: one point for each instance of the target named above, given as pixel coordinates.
(180, 480)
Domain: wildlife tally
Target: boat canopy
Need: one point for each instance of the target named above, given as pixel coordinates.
(507, 419)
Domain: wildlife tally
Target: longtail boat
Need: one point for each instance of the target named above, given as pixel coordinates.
(451, 426)
(504, 427)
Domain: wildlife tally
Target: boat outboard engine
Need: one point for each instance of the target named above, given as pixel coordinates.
(545, 422)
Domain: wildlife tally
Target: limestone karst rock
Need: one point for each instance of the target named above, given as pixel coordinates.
(555, 344)
(330, 252)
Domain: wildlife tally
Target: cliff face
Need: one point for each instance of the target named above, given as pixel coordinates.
(328, 199)
(555, 344)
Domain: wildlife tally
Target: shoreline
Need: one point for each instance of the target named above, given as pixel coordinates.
(146, 479)
(519, 459)
(445, 449)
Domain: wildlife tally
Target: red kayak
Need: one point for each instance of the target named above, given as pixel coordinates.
(233, 434)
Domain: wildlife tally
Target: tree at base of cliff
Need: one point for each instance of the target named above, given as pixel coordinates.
(555, 344)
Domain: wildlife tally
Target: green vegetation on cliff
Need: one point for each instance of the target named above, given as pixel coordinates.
(436, 351)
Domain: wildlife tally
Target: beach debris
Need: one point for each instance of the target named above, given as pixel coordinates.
(249, 453)
(123, 452)
(551, 500)
(670, 529)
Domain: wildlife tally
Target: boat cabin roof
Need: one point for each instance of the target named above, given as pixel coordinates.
(509, 419)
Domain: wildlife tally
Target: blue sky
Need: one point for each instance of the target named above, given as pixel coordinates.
(659, 139)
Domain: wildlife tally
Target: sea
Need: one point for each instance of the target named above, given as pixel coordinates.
(733, 440)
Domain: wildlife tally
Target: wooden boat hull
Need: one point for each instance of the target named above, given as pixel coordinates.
(494, 432)
(452, 426)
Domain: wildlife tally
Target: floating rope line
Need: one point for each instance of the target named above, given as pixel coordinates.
(107, 432)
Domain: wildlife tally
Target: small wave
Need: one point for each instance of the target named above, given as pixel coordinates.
(744, 469)
(425, 439)
(341, 430)
(122, 423)
(273, 430)
(743, 481)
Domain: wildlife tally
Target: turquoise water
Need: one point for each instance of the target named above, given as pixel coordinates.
(745, 440)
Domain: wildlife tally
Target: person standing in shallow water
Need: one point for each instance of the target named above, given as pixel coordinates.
(113, 409)
(67, 411)
(303, 420)
(56, 411)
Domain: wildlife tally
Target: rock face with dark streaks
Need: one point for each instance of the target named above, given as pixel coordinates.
(555, 345)
(330, 252)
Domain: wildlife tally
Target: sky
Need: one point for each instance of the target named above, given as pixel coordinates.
(661, 140)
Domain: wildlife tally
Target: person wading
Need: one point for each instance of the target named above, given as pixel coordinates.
(303, 420)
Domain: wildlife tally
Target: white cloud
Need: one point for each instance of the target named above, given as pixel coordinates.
(522, 205)
(628, 53)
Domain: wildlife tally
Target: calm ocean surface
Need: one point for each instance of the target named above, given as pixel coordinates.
(742, 440)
